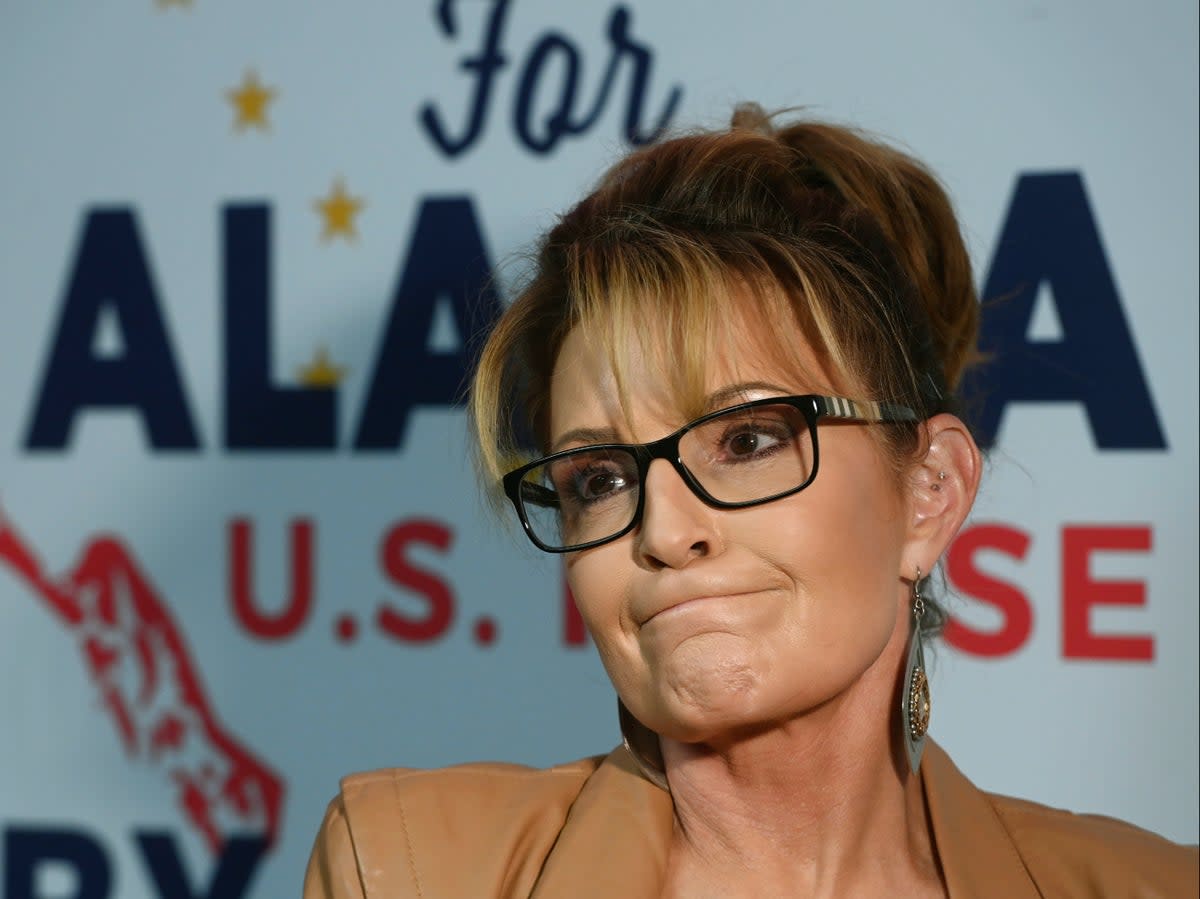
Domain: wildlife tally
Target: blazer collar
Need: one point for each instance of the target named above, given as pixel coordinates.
(615, 839)
(976, 851)
(618, 832)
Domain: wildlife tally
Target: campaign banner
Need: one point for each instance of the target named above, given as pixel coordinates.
(248, 252)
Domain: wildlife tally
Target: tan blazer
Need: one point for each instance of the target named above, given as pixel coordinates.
(599, 828)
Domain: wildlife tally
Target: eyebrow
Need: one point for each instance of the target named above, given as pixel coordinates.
(585, 436)
(730, 395)
(740, 393)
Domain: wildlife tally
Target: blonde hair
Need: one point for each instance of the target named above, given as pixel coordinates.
(852, 241)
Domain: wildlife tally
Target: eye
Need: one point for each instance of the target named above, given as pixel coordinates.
(596, 484)
(751, 440)
(590, 478)
(746, 439)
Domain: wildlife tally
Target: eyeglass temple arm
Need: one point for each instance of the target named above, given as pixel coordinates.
(863, 410)
(538, 495)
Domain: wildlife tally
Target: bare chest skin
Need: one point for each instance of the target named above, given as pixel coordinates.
(690, 877)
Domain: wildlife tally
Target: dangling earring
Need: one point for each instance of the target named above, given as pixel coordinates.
(914, 698)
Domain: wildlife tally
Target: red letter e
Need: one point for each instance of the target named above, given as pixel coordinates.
(1080, 593)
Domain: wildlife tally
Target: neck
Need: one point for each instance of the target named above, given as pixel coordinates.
(820, 805)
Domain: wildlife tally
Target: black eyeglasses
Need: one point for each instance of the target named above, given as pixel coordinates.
(745, 455)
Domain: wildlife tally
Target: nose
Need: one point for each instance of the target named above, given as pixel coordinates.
(677, 527)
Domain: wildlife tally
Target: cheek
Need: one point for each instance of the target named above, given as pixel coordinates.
(850, 541)
(598, 580)
(840, 547)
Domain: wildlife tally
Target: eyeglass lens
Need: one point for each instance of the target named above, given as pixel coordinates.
(739, 457)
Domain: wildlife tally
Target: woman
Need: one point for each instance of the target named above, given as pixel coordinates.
(738, 361)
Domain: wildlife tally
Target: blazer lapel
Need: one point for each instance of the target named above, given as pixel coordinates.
(615, 839)
(977, 854)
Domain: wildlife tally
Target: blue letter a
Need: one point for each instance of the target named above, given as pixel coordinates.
(1050, 235)
(446, 259)
(110, 272)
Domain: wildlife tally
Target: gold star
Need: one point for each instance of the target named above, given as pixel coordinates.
(338, 210)
(250, 100)
(321, 372)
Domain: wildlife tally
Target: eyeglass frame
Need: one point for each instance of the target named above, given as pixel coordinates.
(813, 407)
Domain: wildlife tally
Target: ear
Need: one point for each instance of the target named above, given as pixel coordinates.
(941, 490)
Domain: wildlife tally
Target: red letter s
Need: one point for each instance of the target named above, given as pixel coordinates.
(1007, 599)
(430, 587)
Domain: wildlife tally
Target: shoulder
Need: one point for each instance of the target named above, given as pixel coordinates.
(486, 782)
(477, 829)
(1071, 854)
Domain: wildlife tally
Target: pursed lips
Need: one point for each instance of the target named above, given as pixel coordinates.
(677, 602)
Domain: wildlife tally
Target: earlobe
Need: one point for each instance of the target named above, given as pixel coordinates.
(942, 489)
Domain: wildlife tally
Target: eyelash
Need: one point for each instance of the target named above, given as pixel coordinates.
(575, 495)
(780, 434)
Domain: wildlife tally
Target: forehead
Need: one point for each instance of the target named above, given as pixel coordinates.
(635, 391)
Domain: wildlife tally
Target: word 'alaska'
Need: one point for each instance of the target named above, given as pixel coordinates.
(1049, 240)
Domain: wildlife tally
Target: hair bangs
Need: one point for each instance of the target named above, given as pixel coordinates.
(675, 300)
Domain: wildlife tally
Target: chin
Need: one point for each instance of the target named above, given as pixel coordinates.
(714, 730)
(702, 705)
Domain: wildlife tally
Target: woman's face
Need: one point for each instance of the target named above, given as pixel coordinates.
(710, 621)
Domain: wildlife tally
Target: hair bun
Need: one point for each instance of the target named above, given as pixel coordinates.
(751, 117)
